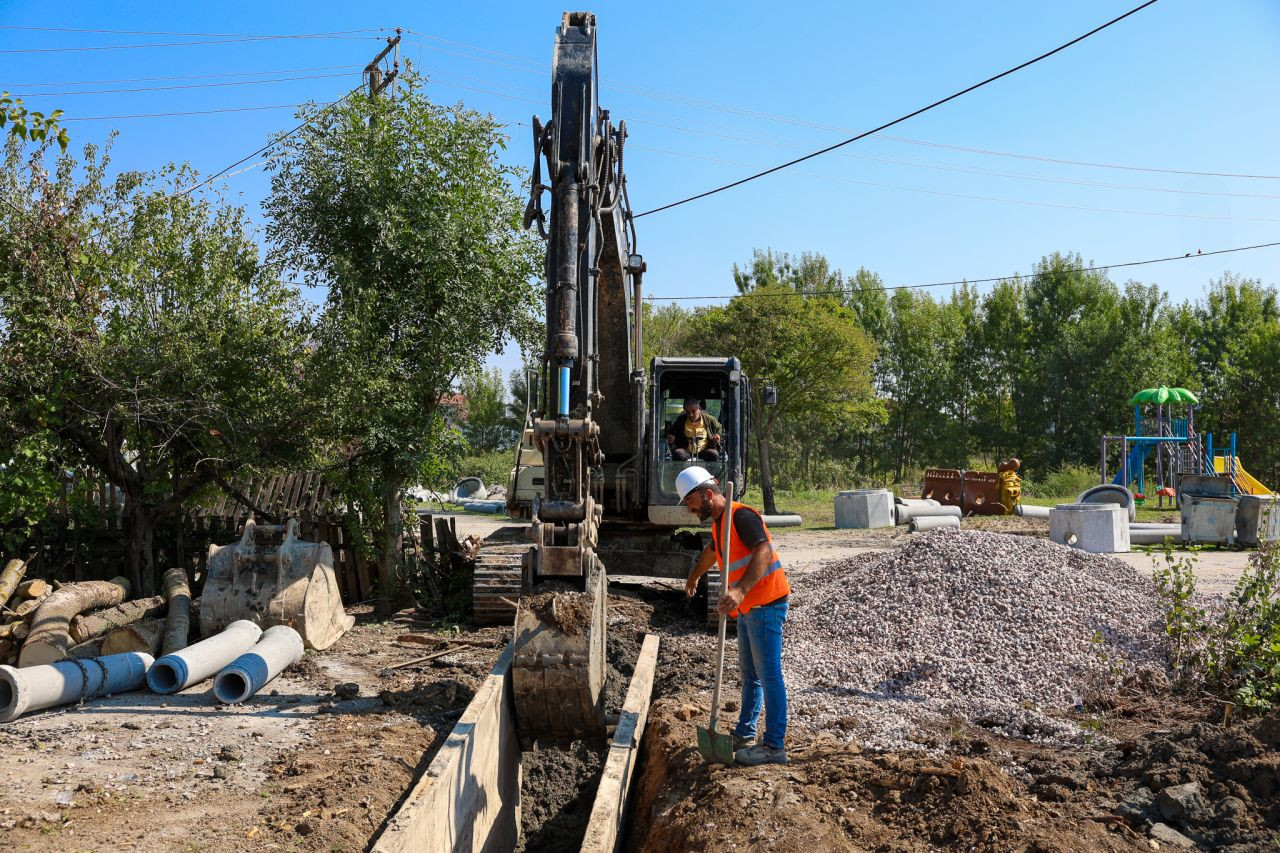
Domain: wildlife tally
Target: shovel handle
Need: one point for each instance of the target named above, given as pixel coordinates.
(725, 536)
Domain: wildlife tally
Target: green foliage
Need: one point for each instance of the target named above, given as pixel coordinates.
(403, 212)
(668, 332)
(29, 125)
(141, 336)
(1066, 482)
(486, 424)
(1235, 653)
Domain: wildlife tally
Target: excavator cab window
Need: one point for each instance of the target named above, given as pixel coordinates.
(720, 399)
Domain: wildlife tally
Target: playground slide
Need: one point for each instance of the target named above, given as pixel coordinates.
(1244, 481)
(1137, 455)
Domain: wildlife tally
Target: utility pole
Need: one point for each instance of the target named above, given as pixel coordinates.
(373, 72)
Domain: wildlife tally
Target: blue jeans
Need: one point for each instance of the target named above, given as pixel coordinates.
(760, 663)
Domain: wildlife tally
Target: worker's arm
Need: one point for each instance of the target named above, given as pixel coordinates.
(705, 561)
(760, 559)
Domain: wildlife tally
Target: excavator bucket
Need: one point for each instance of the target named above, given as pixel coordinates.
(271, 578)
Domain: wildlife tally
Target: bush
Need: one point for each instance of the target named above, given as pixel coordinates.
(1236, 654)
(492, 466)
(1066, 482)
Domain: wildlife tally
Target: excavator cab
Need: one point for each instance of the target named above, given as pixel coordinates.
(725, 394)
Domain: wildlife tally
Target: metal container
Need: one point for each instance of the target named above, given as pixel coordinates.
(1257, 519)
(1208, 520)
(1204, 486)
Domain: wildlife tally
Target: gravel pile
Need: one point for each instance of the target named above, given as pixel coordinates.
(997, 630)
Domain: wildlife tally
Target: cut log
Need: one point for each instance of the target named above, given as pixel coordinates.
(103, 622)
(178, 622)
(50, 638)
(34, 588)
(91, 649)
(10, 578)
(27, 609)
(142, 636)
(6, 646)
(20, 630)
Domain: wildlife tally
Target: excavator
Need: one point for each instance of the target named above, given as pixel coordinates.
(593, 474)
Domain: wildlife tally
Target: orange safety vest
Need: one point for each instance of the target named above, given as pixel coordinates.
(769, 588)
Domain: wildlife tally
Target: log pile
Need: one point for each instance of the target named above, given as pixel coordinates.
(43, 622)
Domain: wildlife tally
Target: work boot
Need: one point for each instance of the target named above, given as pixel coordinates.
(761, 754)
(740, 742)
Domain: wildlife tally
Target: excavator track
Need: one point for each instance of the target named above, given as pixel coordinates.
(559, 668)
(496, 583)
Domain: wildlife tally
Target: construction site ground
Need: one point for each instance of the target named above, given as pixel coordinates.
(314, 764)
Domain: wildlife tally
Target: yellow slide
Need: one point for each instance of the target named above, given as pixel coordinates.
(1244, 481)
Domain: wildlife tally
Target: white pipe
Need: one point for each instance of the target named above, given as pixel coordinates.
(1027, 511)
(1154, 534)
(782, 520)
(906, 513)
(180, 670)
(916, 502)
(44, 686)
(279, 648)
(933, 522)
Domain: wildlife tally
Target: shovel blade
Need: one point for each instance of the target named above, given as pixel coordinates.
(715, 746)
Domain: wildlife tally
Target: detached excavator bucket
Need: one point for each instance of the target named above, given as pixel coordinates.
(271, 578)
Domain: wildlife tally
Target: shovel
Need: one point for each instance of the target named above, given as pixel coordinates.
(718, 746)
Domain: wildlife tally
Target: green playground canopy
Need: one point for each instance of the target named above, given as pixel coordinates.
(1163, 394)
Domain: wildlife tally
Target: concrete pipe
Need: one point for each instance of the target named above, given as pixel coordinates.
(180, 670)
(1111, 494)
(1154, 534)
(279, 648)
(36, 687)
(1027, 511)
(906, 513)
(783, 520)
(933, 522)
(916, 502)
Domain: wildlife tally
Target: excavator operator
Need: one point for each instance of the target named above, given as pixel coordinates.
(695, 434)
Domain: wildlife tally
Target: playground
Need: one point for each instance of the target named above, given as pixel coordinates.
(1166, 442)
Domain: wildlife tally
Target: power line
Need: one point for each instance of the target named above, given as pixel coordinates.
(186, 43)
(269, 145)
(194, 35)
(950, 194)
(184, 113)
(183, 86)
(529, 66)
(178, 77)
(902, 118)
(964, 281)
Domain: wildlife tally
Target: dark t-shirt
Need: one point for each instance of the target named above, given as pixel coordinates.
(748, 527)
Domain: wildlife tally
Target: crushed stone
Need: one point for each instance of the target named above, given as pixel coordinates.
(1005, 632)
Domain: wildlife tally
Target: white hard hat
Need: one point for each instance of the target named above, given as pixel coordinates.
(690, 478)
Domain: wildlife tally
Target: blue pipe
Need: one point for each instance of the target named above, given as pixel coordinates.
(564, 391)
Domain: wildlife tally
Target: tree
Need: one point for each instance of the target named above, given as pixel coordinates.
(403, 212)
(666, 332)
(811, 349)
(141, 335)
(486, 426)
(31, 125)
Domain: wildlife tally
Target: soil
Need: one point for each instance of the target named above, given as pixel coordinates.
(296, 766)
(300, 768)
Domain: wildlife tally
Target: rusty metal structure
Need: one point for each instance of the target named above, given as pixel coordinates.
(593, 474)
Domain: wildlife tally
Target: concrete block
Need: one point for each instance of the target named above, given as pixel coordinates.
(1099, 528)
(863, 509)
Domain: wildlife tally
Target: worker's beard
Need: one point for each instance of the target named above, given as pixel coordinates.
(704, 510)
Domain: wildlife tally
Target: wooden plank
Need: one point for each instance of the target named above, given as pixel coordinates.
(609, 810)
(469, 797)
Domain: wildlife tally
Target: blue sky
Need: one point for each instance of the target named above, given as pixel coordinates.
(714, 91)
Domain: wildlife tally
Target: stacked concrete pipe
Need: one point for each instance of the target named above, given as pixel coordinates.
(906, 512)
(279, 648)
(1031, 511)
(180, 670)
(916, 502)
(34, 688)
(922, 523)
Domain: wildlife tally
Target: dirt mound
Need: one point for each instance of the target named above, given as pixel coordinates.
(834, 797)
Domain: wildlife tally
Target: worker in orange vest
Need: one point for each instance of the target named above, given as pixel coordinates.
(756, 594)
